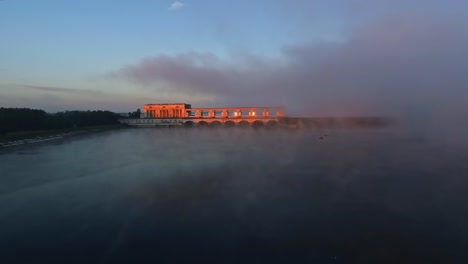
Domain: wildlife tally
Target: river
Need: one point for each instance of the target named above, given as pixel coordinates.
(234, 196)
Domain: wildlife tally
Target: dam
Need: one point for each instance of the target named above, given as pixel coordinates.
(183, 115)
(174, 115)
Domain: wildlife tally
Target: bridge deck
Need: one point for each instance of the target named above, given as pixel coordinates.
(157, 122)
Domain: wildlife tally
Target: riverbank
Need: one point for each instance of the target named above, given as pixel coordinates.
(28, 137)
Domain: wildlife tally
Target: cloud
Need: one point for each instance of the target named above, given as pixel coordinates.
(394, 64)
(176, 5)
(60, 90)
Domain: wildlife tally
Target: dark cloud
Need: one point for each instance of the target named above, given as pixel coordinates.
(392, 65)
(61, 90)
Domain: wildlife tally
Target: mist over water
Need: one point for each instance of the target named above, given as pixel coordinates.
(235, 196)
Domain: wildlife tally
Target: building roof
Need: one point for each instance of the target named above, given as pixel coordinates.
(169, 104)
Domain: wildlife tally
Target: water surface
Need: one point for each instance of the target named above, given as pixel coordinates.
(234, 196)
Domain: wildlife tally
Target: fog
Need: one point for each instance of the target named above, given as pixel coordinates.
(409, 65)
(395, 65)
(398, 58)
(321, 195)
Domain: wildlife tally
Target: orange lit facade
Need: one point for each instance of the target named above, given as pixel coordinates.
(166, 110)
(169, 115)
(181, 111)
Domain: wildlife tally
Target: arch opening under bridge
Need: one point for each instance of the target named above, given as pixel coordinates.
(202, 124)
(189, 124)
(215, 124)
(243, 124)
(229, 124)
(258, 124)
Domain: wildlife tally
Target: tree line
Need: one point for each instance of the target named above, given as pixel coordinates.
(26, 119)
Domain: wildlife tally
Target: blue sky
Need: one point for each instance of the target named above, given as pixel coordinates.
(118, 55)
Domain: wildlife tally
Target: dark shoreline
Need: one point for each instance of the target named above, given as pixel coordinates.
(30, 137)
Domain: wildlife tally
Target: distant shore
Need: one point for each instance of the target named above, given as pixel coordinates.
(29, 137)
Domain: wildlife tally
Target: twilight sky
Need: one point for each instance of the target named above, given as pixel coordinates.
(334, 57)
